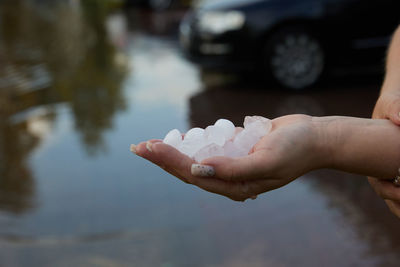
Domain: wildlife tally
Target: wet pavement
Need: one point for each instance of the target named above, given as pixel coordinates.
(80, 82)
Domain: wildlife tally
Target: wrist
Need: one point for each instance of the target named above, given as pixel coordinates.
(362, 146)
(327, 140)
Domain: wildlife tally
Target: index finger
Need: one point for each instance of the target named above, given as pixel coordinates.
(167, 157)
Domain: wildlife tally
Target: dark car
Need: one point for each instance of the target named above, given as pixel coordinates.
(158, 5)
(153, 4)
(293, 41)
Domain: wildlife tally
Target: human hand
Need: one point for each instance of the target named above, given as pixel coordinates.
(388, 106)
(389, 192)
(287, 152)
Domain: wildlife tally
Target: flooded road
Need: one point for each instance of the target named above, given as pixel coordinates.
(80, 82)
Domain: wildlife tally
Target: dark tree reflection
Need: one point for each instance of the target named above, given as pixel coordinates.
(93, 86)
(52, 52)
(16, 183)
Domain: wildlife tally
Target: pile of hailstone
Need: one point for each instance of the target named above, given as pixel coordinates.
(220, 139)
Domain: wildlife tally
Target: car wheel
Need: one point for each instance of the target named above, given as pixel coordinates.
(295, 58)
(160, 4)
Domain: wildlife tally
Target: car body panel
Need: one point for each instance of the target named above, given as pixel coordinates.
(343, 26)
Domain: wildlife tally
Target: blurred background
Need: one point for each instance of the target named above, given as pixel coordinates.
(82, 80)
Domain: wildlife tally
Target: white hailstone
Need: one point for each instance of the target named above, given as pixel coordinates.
(214, 134)
(237, 131)
(230, 150)
(250, 119)
(211, 150)
(227, 126)
(220, 139)
(173, 138)
(246, 139)
(193, 141)
(258, 125)
(194, 133)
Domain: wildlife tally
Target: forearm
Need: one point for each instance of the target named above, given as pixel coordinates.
(362, 146)
(392, 77)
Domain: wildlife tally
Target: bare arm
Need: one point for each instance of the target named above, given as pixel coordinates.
(373, 150)
(362, 146)
(296, 145)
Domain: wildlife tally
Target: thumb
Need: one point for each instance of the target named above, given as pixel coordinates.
(251, 167)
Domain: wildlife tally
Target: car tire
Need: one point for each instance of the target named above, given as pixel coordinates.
(295, 58)
(160, 5)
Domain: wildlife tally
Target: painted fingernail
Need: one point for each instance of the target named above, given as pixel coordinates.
(148, 146)
(133, 148)
(202, 170)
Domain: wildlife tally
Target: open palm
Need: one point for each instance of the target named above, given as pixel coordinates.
(286, 153)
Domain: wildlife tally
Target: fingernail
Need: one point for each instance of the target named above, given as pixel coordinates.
(202, 170)
(148, 146)
(133, 148)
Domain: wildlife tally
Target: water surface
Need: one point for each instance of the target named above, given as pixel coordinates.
(80, 82)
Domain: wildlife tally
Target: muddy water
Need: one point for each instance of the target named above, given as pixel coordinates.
(79, 82)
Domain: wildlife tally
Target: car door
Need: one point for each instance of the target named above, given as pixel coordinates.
(363, 22)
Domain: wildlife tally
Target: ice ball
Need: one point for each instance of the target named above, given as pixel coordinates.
(211, 150)
(173, 138)
(258, 125)
(194, 133)
(227, 126)
(246, 139)
(250, 119)
(220, 139)
(193, 141)
(214, 134)
(232, 151)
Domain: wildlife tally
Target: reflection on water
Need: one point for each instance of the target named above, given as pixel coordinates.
(79, 82)
(349, 194)
(51, 55)
(352, 196)
(234, 101)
